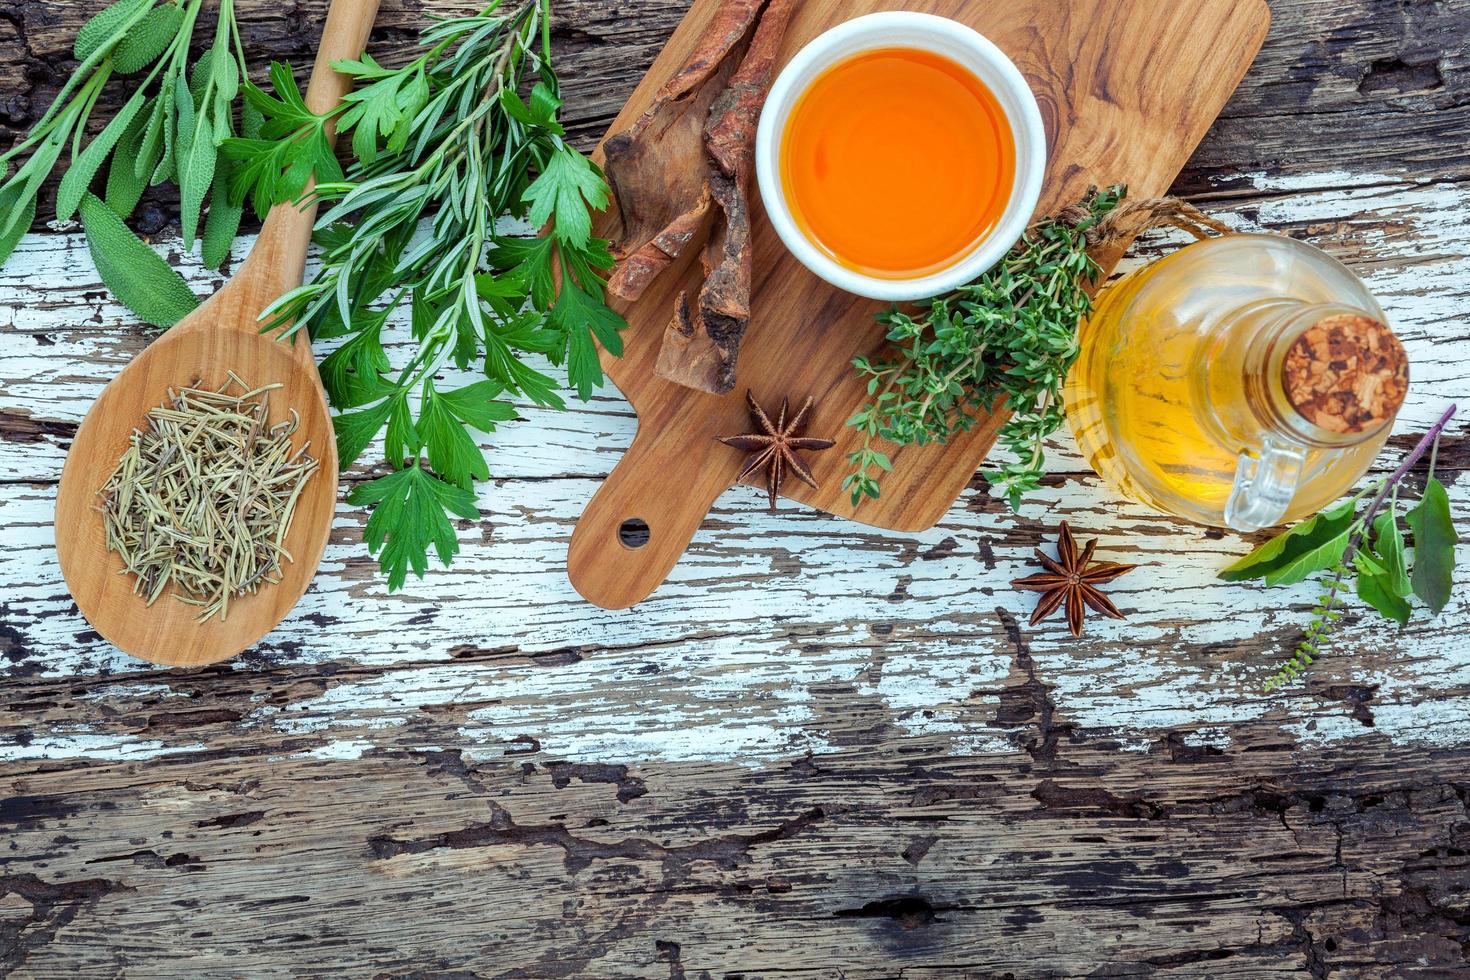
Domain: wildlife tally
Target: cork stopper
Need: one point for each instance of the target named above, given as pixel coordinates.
(1346, 374)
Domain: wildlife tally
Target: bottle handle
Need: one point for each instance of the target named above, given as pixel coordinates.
(1265, 484)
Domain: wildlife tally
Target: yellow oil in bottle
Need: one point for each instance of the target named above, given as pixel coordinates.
(1179, 398)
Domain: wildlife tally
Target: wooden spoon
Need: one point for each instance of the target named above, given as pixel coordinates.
(222, 335)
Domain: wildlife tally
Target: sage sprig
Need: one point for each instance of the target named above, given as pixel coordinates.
(442, 148)
(168, 130)
(1363, 549)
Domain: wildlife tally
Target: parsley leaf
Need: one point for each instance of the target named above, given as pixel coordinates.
(567, 186)
(411, 514)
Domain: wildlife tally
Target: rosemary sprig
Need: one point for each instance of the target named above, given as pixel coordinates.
(442, 148)
(1008, 339)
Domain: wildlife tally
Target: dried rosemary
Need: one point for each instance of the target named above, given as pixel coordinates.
(203, 497)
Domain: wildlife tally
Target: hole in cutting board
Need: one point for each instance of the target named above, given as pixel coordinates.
(633, 532)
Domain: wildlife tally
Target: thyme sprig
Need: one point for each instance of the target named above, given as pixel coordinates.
(1006, 340)
(442, 148)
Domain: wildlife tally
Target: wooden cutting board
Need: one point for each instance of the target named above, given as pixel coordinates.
(1127, 88)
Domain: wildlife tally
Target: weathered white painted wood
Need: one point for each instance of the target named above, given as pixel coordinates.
(485, 777)
(62, 337)
(728, 661)
(766, 612)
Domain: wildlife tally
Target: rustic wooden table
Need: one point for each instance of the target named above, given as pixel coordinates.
(819, 750)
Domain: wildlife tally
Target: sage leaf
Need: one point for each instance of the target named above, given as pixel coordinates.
(147, 39)
(183, 126)
(1377, 591)
(1388, 547)
(79, 175)
(150, 151)
(21, 209)
(226, 80)
(221, 225)
(1328, 528)
(135, 273)
(196, 173)
(124, 186)
(169, 114)
(19, 204)
(1434, 547)
(103, 27)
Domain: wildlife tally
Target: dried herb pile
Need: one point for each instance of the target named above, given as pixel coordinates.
(682, 177)
(202, 500)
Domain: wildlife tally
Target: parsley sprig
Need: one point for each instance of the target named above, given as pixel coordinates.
(1011, 336)
(441, 149)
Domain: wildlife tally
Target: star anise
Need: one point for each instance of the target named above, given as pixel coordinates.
(774, 447)
(1072, 579)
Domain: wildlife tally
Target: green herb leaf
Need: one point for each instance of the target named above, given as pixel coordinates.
(20, 210)
(169, 106)
(292, 145)
(133, 271)
(222, 223)
(1378, 592)
(443, 148)
(566, 188)
(124, 187)
(401, 440)
(1290, 557)
(355, 431)
(1009, 337)
(104, 27)
(581, 317)
(147, 39)
(150, 154)
(79, 176)
(1435, 538)
(1387, 546)
(411, 514)
(475, 405)
(452, 453)
(196, 174)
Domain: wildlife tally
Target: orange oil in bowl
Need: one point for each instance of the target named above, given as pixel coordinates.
(897, 162)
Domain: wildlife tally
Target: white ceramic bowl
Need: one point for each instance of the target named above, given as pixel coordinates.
(937, 35)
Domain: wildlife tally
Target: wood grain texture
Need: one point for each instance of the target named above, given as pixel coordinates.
(220, 337)
(483, 776)
(1126, 93)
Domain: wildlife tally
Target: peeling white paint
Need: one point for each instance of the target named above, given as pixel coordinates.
(775, 632)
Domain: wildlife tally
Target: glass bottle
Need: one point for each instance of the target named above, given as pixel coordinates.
(1244, 382)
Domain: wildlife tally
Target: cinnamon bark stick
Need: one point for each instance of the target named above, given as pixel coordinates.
(664, 208)
(702, 351)
(674, 196)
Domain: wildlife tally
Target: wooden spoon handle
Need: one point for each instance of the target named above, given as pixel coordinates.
(277, 263)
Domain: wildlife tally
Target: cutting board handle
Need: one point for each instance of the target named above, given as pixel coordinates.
(663, 483)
